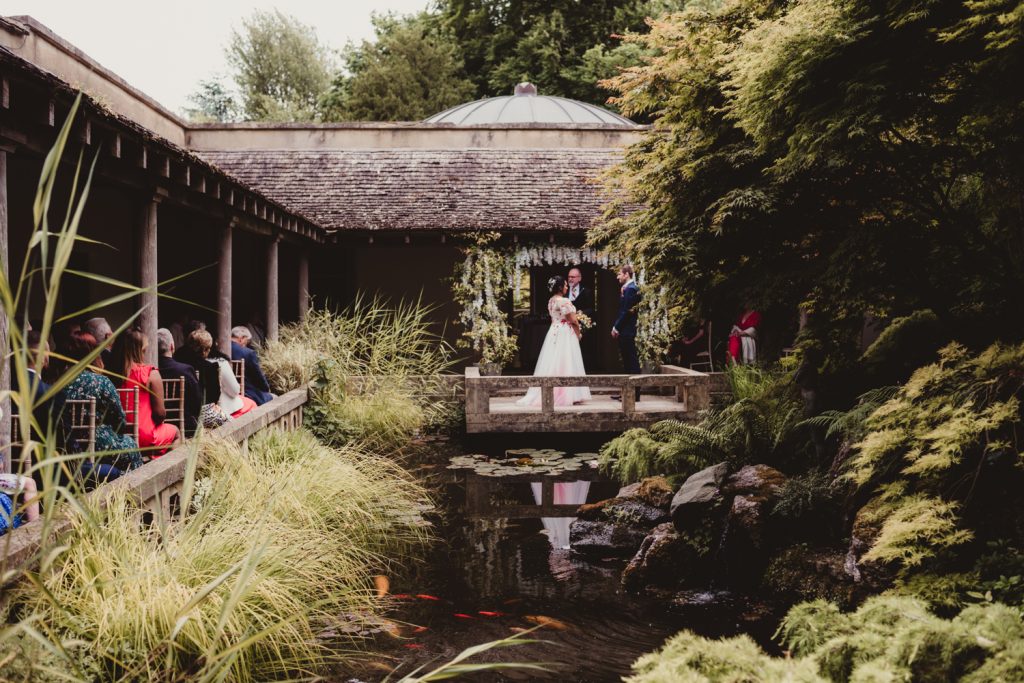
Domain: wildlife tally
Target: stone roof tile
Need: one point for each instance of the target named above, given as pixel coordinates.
(416, 189)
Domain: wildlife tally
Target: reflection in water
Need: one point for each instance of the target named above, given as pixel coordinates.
(501, 576)
(566, 493)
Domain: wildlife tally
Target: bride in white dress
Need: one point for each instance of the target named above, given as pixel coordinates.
(560, 356)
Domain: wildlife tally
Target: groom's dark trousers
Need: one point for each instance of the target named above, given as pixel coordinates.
(630, 359)
(625, 325)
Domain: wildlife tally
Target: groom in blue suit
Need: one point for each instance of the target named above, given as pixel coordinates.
(624, 329)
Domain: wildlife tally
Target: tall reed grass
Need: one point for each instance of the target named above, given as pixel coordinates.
(374, 370)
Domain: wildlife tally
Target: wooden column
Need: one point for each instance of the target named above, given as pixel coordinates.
(223, 337)
(148, 277)
(303, 284)
(5, 365)
(273, 309)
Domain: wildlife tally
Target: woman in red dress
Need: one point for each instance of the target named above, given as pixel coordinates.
(743, 337)
(154, 433)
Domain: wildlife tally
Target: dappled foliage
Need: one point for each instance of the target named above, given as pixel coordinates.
(564, 47)
(941, 461)
(850, 157)
(886, 639)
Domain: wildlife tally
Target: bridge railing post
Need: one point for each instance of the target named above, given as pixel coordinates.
(547, 398)
(478, 397)
(698, 396)
(628, 397)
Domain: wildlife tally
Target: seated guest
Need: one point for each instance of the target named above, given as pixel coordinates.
(64, 334)
(256, 385)
(119, 452)
(8, 520)
(153, 431)
(99, 328)
(12, 485)
(228, 392)
(103, 333)
(46, 412)
(195, 354)
(172, 369)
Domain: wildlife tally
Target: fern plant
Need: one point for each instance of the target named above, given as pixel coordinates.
(760, 425)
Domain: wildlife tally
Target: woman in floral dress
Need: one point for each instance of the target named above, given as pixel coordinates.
(117, 449)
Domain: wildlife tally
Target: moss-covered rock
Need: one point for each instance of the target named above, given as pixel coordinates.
(666, 558)
(803, 572)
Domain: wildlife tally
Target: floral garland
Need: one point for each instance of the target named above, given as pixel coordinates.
(488, 272)
(653, 329)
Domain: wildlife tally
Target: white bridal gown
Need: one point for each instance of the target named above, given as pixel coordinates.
(560, 356)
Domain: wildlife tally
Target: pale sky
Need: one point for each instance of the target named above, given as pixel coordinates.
(165, 48)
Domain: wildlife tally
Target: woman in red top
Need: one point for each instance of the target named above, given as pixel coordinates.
(743, 336)
(153, 431)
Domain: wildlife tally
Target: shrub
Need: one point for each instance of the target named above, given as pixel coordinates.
(938, 463)
(886, 639)
(907, 343)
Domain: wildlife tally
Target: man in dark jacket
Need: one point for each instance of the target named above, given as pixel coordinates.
(48, 411)
(172, 369)
(582, 298)
(256, 385)
(624, 329)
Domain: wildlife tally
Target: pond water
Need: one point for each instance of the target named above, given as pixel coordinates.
(487, 579)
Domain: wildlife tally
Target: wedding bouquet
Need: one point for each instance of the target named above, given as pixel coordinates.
(584, 320)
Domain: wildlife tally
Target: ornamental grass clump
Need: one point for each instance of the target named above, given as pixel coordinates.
(250, 584)
(374, 372)
(368, 504)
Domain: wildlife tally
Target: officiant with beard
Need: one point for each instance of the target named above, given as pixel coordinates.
(582, 297)
(579, 295)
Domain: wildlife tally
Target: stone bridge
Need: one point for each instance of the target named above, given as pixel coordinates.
(674, 393)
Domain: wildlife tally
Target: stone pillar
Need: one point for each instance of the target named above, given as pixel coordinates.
(148, 278)
(303, 284)
(5, 366)
(273, 309)
(222, 339)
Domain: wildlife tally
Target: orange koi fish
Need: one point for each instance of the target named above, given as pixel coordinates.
(460, 615)
(423, 596)
(541, 620)
(492, 614)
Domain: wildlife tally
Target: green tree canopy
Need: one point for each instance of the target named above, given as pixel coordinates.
(848, 156)
(280, 67)
(212, 103)
(562, 46)
(412, 70)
